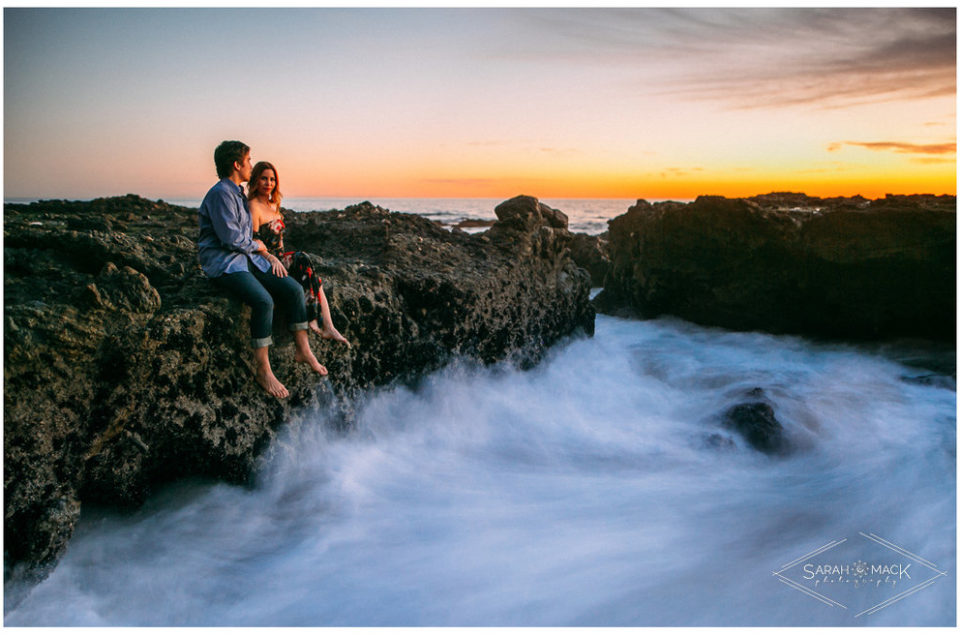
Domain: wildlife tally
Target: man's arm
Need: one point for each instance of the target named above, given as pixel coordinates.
(225, 219)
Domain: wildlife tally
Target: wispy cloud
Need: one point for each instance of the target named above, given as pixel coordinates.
(753, 58)
(838, 58)
(899, 147)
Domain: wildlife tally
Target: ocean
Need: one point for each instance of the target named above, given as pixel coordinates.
(586, 215)
(597, 488)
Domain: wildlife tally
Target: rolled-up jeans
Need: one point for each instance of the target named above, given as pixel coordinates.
(259, 290)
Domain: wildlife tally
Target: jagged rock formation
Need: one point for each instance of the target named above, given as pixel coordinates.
(591, 253)
(785, 262)
(124, 368)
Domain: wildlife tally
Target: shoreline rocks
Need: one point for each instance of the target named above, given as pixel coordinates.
(126, 369)
(786, 263)
(591, 252)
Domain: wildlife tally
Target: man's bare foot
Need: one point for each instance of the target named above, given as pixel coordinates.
(270, 383)
(332, 334)
(308, 357)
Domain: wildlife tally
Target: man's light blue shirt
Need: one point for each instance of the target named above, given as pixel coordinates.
(226, 232)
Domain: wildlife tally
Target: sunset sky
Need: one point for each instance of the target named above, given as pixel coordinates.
(620, 103)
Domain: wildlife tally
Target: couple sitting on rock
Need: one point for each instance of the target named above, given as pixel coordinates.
(241, 249)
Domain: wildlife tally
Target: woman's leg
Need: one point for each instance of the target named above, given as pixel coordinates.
(305, 354)
(329, 331)
(313, 315)
(301, 268)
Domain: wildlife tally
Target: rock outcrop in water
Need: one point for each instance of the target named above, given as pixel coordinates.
(755, 419)
(125, 368)
(591, 253)
(788, 263)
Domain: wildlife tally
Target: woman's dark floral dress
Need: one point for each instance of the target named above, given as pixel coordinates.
(298, 264)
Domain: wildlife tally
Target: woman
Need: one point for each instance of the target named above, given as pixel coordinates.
(264, 198)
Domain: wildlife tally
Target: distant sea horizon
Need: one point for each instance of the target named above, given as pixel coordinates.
(585, 215)
(590, 216)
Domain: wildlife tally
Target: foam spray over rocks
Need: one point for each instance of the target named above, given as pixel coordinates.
(603, 487)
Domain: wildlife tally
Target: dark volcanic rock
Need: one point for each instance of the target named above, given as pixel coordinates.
(783, 262)
(473, 223)
(125, 368)
(590, 253)
(797, 201)
(526, 212)
(758, 425)
(756, 421)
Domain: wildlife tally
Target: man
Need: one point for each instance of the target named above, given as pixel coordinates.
(233, 259)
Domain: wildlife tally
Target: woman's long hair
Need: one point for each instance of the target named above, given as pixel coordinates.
(253, 183)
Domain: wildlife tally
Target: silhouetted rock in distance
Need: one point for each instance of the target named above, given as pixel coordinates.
(787, 263)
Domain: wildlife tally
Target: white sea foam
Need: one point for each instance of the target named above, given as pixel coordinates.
(583, 492)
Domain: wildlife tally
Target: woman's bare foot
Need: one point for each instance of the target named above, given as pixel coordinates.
(308, 357)
(330, 333)
(315, 328)
(270, 383)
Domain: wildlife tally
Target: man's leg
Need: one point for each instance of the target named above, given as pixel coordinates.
(264, 374)
(289, 294)
(251, 292)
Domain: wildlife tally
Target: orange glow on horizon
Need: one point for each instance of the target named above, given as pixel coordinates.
(869, 185)
(596, 174)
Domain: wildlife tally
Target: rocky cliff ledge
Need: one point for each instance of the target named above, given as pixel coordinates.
(125, 368)
(789, 263)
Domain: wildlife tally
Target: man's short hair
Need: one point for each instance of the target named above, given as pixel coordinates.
(227, 153)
